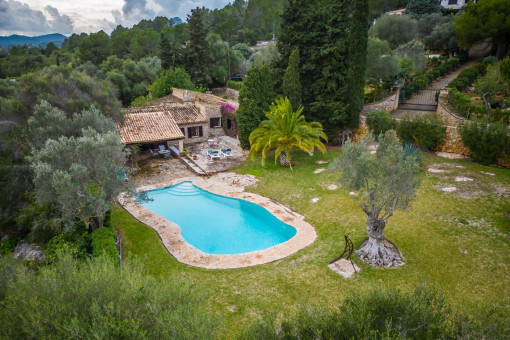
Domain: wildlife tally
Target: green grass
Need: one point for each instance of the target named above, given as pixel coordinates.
(431, 237)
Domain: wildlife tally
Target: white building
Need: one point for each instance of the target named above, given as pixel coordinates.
(453, 4)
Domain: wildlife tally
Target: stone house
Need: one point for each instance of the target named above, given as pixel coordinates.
(180, 118)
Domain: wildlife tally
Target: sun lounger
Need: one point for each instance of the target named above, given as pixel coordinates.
(226, 152)
(213, 154)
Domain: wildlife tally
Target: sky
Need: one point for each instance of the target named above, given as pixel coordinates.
(37, 17)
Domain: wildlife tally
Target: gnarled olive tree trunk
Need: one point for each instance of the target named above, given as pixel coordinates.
(376, 250)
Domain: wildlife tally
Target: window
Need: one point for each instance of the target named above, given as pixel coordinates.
(215, 122)
(183, 131)
(195, 131)
(452, 2)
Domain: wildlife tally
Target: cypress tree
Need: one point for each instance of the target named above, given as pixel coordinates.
(291, 86)
(165, 52)
(320, 29)
(357, 54)
(199, 60)
(255, 97)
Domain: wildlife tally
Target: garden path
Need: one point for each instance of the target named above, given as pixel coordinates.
(475, 54)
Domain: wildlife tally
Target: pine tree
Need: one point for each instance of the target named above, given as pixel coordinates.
(417, 8)
(291, 86)
(165, 51)
(255, 97)
(199, 60)
(357, 54)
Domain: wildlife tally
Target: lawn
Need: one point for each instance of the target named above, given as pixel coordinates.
(458, 242)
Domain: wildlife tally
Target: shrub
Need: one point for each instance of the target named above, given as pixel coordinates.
(228, 119)
(485, 140)
(460, 102)
(490, 60)
(422, 80)
(9, 245)
(380, 314)
(103, 243)
(500, 115)
(425, 131)
(76, 244)
(380, 121)
(467, 76)
(93, 299)
(236, 85)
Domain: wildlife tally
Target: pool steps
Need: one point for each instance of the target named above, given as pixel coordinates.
(184, 189)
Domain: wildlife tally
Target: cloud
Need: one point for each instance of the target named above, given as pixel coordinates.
(17, 17)
(135, 10)
(61, 23)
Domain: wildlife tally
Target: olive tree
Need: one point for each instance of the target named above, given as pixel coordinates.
(386, 180)
(49, 122)
(78, 176)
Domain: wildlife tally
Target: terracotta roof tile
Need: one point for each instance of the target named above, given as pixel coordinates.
(148, 124)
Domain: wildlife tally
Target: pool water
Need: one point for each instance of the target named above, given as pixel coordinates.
(217, 224)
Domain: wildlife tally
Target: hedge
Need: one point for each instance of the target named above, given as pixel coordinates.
(425, 131)
(463, 105)
(467, 77)
(422, 80)
(380, 121)
(486, 140)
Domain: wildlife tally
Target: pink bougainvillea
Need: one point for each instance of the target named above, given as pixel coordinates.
(228, 119)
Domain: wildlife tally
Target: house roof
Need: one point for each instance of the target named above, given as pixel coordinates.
(185, 113)
(165, 100)
(148, 124)
(397, 12)
(158, 123)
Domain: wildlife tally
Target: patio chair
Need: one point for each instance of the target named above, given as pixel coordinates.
(213, 154)
(154, 153)
(164, 151)
(227, 152)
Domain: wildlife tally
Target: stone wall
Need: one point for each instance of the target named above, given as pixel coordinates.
(388, 104)
(213, 112)
(231, 93)
(452, 140)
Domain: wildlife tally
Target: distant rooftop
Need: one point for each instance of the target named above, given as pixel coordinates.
(396, 12)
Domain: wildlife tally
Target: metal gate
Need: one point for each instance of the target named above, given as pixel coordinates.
(425, 100)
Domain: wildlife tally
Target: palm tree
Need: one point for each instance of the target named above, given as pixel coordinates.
(285, 130)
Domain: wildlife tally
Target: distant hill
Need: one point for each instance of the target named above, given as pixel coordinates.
(177, 20)
(15, 39)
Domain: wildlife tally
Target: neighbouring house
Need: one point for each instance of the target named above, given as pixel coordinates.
(453, 4)
(396, 12)
(183, 117)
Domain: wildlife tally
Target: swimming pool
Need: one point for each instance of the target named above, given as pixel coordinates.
(216, 224)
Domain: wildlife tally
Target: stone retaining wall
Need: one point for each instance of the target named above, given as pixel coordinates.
(452, 140)
(388, 104)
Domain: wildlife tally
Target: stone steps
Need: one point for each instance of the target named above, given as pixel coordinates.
(193, 166)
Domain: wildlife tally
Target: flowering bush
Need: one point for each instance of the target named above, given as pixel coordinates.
(228, 119)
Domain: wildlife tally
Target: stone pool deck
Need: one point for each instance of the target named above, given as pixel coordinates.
(229, 185)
